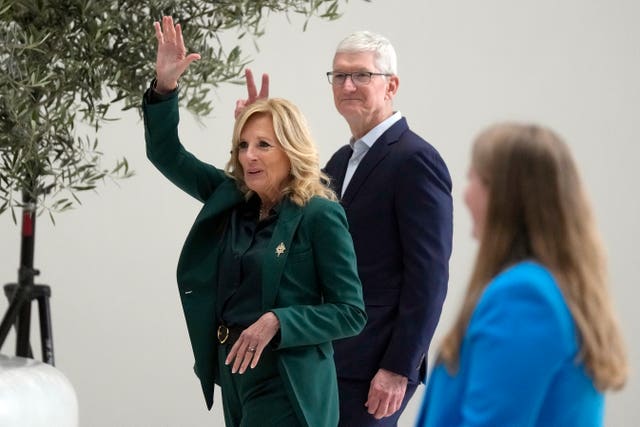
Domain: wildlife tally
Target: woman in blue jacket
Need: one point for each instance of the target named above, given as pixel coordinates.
(536, 342)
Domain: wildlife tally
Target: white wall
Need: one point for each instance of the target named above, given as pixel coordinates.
(118, 328)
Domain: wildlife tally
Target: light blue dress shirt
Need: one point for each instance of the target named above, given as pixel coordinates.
(518, 363)
(361, 146)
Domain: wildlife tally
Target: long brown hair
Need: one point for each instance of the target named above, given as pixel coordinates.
(537, 209)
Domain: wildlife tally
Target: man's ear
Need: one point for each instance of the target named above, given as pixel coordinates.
(392, 86)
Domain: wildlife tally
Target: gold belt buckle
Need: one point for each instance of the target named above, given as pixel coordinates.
(223, 334)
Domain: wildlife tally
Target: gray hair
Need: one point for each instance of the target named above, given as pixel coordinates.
(366, 41)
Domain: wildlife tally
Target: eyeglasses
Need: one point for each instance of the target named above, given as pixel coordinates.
(358, 78)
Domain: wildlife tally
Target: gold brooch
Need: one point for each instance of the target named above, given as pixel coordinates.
(280, 249)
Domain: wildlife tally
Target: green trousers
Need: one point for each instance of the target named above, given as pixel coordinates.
(258, 397)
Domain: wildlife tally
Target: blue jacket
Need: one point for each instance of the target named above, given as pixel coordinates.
(518, 363)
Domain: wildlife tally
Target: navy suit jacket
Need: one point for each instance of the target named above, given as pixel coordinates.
(400, 214)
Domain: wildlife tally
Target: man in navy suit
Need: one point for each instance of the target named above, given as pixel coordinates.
(396, 191)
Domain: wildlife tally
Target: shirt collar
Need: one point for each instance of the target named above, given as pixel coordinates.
(372, 136)
(251, 207)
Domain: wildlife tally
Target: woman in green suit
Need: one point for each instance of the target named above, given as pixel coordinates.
(267, 275)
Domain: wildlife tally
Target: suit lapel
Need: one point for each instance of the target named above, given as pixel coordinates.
(278, 251)
(339, 171)
(201, 242)
(374, 156)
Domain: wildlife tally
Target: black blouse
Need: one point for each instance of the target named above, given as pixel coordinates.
(240, 274)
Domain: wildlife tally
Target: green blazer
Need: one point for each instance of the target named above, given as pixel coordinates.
(312, 286)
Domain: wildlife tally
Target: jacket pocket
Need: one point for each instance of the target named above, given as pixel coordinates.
(326, 350)
(300, 255)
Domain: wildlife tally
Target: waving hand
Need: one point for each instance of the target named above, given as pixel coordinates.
(172, 59)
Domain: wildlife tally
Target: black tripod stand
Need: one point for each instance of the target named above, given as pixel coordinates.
(21, 294)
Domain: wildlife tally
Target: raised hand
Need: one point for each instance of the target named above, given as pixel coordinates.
(172, 59)
(252, 91)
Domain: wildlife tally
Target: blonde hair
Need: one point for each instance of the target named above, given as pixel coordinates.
(306, 180)
(538, 209)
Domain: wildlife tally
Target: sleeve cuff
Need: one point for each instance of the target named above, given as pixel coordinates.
(154, 97)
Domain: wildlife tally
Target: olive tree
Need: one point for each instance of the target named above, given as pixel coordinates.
(65, 62)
